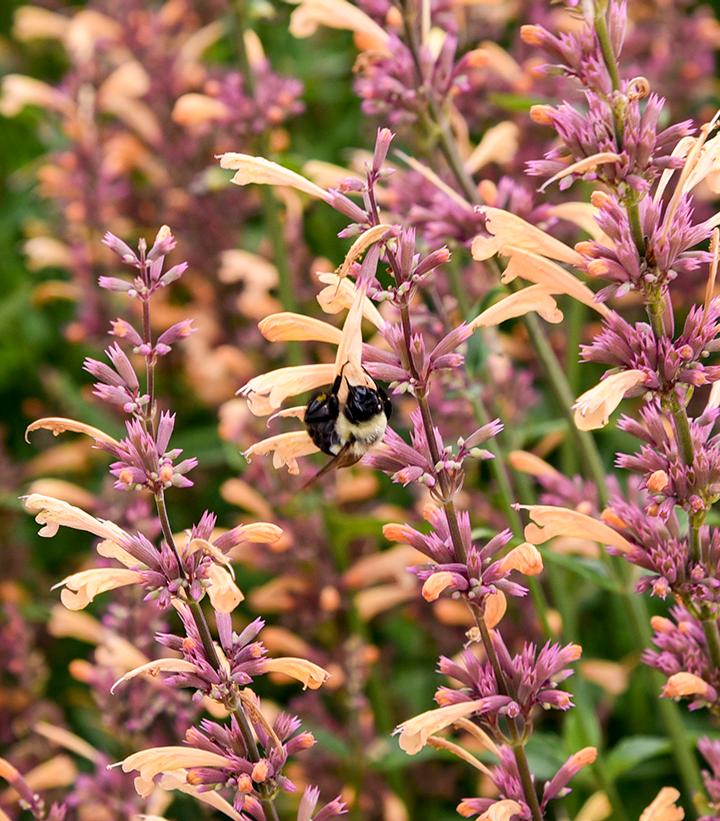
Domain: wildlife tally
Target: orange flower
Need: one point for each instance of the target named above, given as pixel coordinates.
(664, 808)
(593, 408)
(549, 522)
(414, 732)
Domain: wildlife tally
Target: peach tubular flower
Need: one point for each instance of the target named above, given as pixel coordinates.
(52, 513)
(18, 91)
(311, 675)
(503, 810)
(593, 408)
(222, 591)
(495, 608)
(664, 807)
(267, 392)
(193, 109)
(81, 588)
(261, 171)
(286, 448)
(35, 23)
(361, 244)
(549, 521)
(526, 462)
(340, 294)
(582, 166)
(290, 327)
(414, 732)
(153, 668)
(687, 684)
(437, 583)
(338, 14)
(499, 145)
(535, 298)
(508, 231)
(542, 271)
(168, 760)
(525, 558)
(59, 424)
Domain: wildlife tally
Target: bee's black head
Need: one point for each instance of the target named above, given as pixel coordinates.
(362, 404)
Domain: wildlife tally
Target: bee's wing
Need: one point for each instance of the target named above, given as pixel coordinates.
(342, 459)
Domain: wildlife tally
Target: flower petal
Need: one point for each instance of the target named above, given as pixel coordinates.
(415, 732)
(261, 171)
(535, 298)
(58, 425)
(286, 448)
(152, 668)
(593, 408)
(311, 675)
(549, 522)
(265, 393)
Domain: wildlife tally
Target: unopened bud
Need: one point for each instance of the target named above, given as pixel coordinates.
(542, 114)
(657, 481)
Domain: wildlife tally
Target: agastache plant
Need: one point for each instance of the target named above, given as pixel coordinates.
(502, 692)
(242, 756)
(648, 246)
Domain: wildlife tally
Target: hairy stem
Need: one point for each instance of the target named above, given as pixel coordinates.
(203, 629)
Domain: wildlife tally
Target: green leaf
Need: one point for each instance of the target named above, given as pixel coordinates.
(513, 102)
(630, 752)
(592, 570)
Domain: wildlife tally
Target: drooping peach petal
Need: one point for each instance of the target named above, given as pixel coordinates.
(328, 175)
(46, 252)
(495, 608)
(267, 392)
(311, 675)
(664, 807)
(593, 408)
(338, 14)
(64, 738)
(503, 810)
(35, 23)
(549, 521)
(224, 594)
(582, 166)
(507, 229)
(58, 771)
(290, 327)
(81, 588)
(542, 271)
(237, 265)
(583, 215)
(415, 732)
(382, 597)
(360, 245)
(156, 760)
(437, 583)
(612, 676)
(378, 567)
(525, 558)
(74, 624)
(59, 424)
(286, 449)
(18, 91)
(685, 684)
(534, 298)
(239, 493)
(154, 667)
(130, 79)
(192, 110)
(261, 171)
(52, 513)
(439, 743)
(340, 295)
(526, 462)
(499, 144)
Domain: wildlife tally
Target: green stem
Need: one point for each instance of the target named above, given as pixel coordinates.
(203, 629)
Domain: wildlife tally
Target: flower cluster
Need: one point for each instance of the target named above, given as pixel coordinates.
(248, 755)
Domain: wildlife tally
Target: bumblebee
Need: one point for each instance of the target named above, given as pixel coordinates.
(347, 421)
